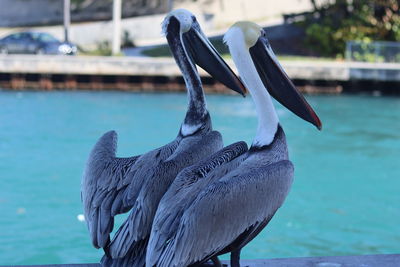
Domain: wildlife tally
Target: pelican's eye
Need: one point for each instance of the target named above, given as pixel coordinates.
(263, 34)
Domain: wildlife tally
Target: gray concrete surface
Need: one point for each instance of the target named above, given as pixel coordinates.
(388, 260)
(304, 70)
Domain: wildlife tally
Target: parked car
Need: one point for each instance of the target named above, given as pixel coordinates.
(32, 42)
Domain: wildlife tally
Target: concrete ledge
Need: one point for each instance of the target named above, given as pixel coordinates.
(382, 260)
(92, 65)
(88, 65)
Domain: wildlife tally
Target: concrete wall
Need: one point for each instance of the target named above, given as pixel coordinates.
(302, 70)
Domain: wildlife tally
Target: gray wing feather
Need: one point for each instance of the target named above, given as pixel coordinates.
(136, 258)
(102, 175)
(110, 185)
(225, 210)
(138, 225)
(145, 166)
(184, 190)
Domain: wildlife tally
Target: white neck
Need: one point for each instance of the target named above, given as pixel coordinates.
(267, 117)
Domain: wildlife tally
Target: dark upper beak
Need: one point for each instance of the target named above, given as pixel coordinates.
(203, 53)
(278, 83)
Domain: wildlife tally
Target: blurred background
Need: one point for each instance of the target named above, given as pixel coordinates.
(358, 30)
(70, 70)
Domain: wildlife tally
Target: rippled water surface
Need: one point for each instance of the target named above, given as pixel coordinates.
(345, 198)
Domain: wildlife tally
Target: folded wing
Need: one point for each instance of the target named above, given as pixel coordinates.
(110, 184)
(224, 211)
(185, 189)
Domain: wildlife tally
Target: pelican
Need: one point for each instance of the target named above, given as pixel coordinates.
(222, 202)
(113, 185)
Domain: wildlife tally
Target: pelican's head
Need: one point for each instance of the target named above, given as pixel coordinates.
(183, 16)
(254, 40)
(250, 33)
(181, 28)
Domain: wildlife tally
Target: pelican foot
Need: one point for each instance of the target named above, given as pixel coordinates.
(213, 262)
(207, 264)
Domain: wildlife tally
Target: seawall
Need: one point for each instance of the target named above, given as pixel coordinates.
(18, 72)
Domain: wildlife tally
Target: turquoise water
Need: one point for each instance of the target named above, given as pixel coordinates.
(345, 199)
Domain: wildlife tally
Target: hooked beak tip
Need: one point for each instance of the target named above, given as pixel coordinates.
(318, 123)
(243, 92)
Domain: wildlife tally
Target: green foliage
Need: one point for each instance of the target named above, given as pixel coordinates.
(335, 22)
(158, 51)
(76, 4)
(103, 49)
(367, 57)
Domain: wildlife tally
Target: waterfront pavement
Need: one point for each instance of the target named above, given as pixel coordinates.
(94, 65)
(382, 260)
(145, 74)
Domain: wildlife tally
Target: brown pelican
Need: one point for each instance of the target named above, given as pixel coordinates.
(221, 203)
(113, 185)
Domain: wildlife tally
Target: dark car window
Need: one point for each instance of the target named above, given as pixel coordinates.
(25, 36)
(44, 37)
(12, 37)
(18, 36)
(35, 35)
(8, 38)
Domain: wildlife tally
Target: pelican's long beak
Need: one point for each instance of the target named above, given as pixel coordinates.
(278, 83)
(203, 53)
